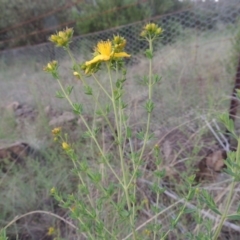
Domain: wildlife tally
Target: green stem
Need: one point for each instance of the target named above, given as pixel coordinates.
(84, 82)
(149, 98)
(226, 210)
(101, 86)
(229, 199)
(92, 134)
(177, 219)
(118, 121)
(150, 84)
(157, 203)
(73, 59)
(104, 115)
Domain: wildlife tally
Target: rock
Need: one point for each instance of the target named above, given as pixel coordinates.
(210, 166)
(48, 110)
(215, 161)
(64, 118)
(24, 111)
(13, 106)
(17, 151)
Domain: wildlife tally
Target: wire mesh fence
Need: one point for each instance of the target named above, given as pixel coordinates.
(194, 56)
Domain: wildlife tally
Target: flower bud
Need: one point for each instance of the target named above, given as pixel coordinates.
(62, 38)
(56, 131)
(66, 146)
(51, 67)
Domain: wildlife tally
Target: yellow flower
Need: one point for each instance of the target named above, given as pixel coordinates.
(147, 232)
(76, 74)
(53, 38)
(156, 146)
(92, 68)
(73, 208)
(105, 52)
(151, 30)
(51, 66)
(51, 231)
(56, 131)
(66, 146)
(53, 190)
(61, 34)
(119, 43)
(151, 27)
(69, 32)
(62, 38)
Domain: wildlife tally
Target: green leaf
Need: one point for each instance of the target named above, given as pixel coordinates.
(75, 67)
(234, 217)
(59, 94)
(107, 109)
(55, 75)
(77, 108)
(83, 166)
(87, 134)
(88, 90)
(191, 194)
(149, 54)
(160, 173)
(99, 112)
(69, 90)
(140, 135)
(110, 189)
(117, 93)
(129, 132)
(173, 223)
(156, 78)
(119, 83)
(144, 81)
(139, 173)
(150, 136)
(189, 210)
(123, 105)
(149, 106)
(83, 189)
(238, 93)
(209, 201)
(191, 179)
(233, 168)
(227, 122)
(95, 131)
(94, 176)
(3, 234)
(238, 210)
(157, 189)
(124, 213)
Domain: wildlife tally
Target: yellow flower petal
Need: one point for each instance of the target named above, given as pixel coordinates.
(98, 58)
(121, 54)
(51, 231)
(104, 48)
(105, 52)
(61, 34)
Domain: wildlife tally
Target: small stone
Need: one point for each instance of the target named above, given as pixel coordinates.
(47, 110)
(13, 106)
(15, 151)
(64, 118)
